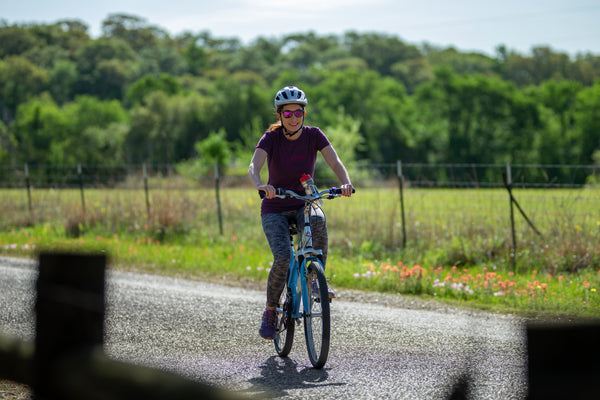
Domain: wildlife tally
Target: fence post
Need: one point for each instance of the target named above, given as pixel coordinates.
(70, 312)
(28, 185)
(218, 197)
(80, 174)
(146, 190)
(401, 185)
(512, 215)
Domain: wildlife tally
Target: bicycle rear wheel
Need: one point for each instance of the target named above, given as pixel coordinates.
(284, 336)
(317, 315)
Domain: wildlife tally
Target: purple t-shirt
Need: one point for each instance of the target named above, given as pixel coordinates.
(287, 161)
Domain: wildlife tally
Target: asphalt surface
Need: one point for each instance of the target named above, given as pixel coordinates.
(383, 347)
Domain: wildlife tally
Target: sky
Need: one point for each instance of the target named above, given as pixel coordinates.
(570, 26)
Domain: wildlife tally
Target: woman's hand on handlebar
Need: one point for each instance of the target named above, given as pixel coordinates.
(269, 191)
(347, 189)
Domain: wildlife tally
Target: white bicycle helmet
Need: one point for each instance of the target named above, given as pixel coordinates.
(290, 95)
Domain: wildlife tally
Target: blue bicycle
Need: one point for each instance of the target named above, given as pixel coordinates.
(306, 285)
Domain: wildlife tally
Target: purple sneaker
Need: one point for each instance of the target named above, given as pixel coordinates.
(315, 290)
(268, 325)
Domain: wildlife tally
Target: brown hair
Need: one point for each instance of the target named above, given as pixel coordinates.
(275, 125)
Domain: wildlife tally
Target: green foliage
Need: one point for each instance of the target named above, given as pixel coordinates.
(40, 130)
(149, 83)
(20, 80)
(214, 151)
(410, 103)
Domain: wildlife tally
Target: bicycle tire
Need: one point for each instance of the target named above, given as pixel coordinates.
(317, 318)
(284, 336)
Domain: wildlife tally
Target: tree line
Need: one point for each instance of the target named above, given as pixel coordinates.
(137, 94)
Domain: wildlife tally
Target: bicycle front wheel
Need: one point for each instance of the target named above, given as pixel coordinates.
(284, 336)
(317, 315)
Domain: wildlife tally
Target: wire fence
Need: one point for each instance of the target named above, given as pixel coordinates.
(417, 175)
(439, 205)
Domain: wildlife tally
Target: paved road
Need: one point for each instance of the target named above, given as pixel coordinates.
(383, 347)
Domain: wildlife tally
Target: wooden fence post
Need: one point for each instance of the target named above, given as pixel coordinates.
(28, 185)
(508, 184)
(146, 190)
(70, 312)
(217, 184)
(401, 185)
(80, 175)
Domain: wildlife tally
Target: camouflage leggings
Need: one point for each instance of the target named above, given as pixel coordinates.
(276, 228)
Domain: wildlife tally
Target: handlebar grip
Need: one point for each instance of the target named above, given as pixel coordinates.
(278, 192)
(335, 190)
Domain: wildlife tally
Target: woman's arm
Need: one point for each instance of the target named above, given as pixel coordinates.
(256, 164)
(336, 165)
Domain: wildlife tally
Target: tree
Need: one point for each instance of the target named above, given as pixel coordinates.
(587, 119)
(380, 51)
(462, 63)
(133, 30)
(103, 66)
(39, 126)
(16, 40)
(542, 65)
(346, 139)
(213, 151)
(379, 103)
(196, 58)
(157, 61)
(7, 145)
(487, 119)
(143, 87)
(63, 77)
(20, 80)
(95, 133)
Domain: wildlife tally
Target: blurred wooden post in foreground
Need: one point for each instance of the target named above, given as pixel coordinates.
(563, 360)
(67, 360)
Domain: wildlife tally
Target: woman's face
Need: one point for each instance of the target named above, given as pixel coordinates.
(292, 117)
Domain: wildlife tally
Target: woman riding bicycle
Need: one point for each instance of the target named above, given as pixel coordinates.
(290, 149)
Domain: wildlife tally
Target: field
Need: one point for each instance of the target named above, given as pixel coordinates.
(458, 244)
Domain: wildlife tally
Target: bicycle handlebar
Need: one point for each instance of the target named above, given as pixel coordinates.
(288, 194)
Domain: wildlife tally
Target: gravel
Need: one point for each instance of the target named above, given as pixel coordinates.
(383, 346)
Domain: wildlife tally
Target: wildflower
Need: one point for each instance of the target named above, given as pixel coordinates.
(593, 290)
(248, 268)
(586, 284)
(437, 283)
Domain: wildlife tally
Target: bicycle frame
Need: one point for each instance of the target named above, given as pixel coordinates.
(297, 269)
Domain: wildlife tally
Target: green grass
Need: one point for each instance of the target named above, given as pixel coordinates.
(458, 242)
